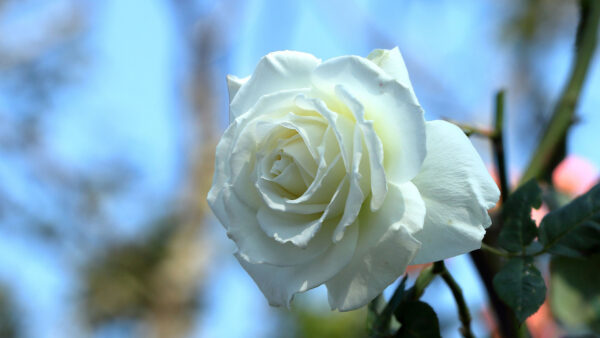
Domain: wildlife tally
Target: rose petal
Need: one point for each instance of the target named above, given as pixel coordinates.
(234, 84)
(236, 151)
(301, 154)
(385, 247)
(290, 180)
(255, 246)
(341, 126)
(298, 228)
(318, 194)
(374, 147)
(392, 62)
(284, 227)
(279, 284)
(457, 190)
(398, 122)
(356, 194)
(275, 72)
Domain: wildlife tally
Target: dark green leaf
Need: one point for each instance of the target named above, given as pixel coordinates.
(575, 292)
(417, 319)
(574, 230)
(518, 229)
(521, 286)
(534, 248)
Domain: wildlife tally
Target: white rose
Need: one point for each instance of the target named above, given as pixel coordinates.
(329, 174)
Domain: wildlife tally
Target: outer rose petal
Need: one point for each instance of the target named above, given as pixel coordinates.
(255, 246)
(399, 122)
(279, 284)
(391, 61)
(457, 190)
(234, 84)
(275, 72)
(385, 247)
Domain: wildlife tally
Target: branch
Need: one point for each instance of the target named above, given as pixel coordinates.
(498, 145)
(563, 114)
(463, 310)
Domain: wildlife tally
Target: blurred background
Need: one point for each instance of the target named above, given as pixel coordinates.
(110, 112)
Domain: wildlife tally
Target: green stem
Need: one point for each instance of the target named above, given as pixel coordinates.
(381, 320)
(500, 252)
(562, 117)
(498, 145)
(425, 278)
(496, 251)
(463, 310)
(472, 130)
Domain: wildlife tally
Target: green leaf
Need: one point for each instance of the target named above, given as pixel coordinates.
(418, 319)
(518, 229)
(575, 292)
(521, 286)
(574, 230)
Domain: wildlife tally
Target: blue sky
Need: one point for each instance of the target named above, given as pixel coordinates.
(127, 106)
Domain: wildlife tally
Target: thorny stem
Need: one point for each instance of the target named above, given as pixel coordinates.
(428, 275)
(564, 111)
(463, 311)
(425, 278)
(498, 145)
(488, 265)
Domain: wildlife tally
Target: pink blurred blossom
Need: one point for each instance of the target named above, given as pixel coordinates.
(575, 175)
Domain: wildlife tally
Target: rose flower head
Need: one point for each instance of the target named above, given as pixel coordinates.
(329, 174)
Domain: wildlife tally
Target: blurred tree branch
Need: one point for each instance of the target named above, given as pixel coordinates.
(552, 144)
(168, 302)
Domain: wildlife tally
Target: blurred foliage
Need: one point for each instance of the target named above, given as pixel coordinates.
(8, 318)
(537, 21)
(328, 324)
(575, 293)
(34, 70)
(119, 283)
(531, 28)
